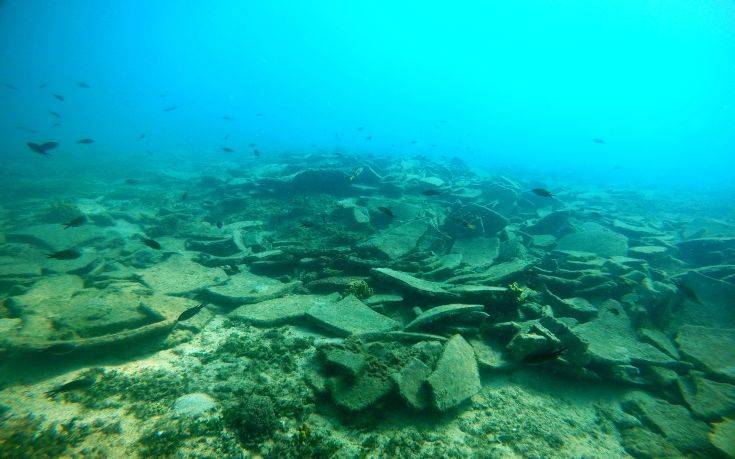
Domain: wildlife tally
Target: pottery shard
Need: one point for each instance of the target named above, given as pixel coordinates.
(397, 240)
(456, 377)
(179, 275)
(278, 311)
(245, 288)
(411, 382)
(603, 243)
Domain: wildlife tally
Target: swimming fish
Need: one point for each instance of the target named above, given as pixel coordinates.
(170, 108)
(82, 84)
(151, 243)
(543, 356)
(79, 383)
(59, 97)
(307, 224)
(85, 141)
(54, 114)
(43, 148)
(228, 118)
(256, 152)
(184, 195)
(598, 140)
(227, 149)
(219, 225)
(431, 192)
(386, 211)
(68, 254)
(79, 221)
(132, 181)
(189, 313)
(542, 192)
(141, 136)
(10, 86)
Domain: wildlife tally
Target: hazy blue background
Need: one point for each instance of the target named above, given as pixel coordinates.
(522, 82)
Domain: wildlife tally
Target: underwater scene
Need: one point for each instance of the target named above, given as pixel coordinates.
(367, 229)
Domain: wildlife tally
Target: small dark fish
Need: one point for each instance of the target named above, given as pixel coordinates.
(141, 136)
(431, 192)
(54, 114)
(252, 145)
(598, 140)
(307, 224)
(184, 195)
(413, 142)
(85, 141)
(80, 383)
(79, 221)
(68, 254)
(543, 356)
(42, 85)
(369, 137)
(386, 211)
(228, 118)
(10, 86)
(258, 114)
(219, 225)
(132, 181)
(43, 148)
(82, 84)
(191, 312)
(256, 152)
(542, 192)
(227, 149)
(151, 243)
(59, 97)
(170, 108)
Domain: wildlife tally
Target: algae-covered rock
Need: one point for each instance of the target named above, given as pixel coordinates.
(477, 251)
(278, 311)
(414, 285)
(193, 405)
(442, 313)
(55, 237)
(722, 437)
(246, 288)
(674, 422)
(350, 316)
(362, 393)
(711, 349)
(601, 242)
(396, 241)
(348, 363)
(456, 377)
(178, 275)
(411, 383)
(708, 400)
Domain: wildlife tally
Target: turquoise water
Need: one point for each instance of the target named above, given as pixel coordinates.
(380, 229)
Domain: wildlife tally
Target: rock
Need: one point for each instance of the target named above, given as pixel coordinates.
(383, 299)
(455, 378)
(364, 392)
(350, 316)
(476, 252)
(644, 444)
(554, 223)
(711, 349)
(612, 340)
(395, 241)
(704, 251)
(674, 422)
(526, 344)
(278, 311)
(247, 288)
(446, 264)
(498, 273)
(218, 248)
(660, 341)
(601, 242)
(442, 313)
(348, 363)
(634, 231)
(411, 383)
(578, 308)
(648, 252)
(166, 307)
(413, 285)
(54, 237)
(333, 284)
(488, 355)
(319, 180)
(722, 437)
(178, 275)
(713, 305)
(483, 294)
(708, 400)
(193, 405)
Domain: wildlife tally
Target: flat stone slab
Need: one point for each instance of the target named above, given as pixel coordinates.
(499, 273)
(413, 284)
(178, 275)
(477, 251)
(364, 392)
(396, 241)
(601, 242)
(246, 288)
(411, 383)
(456, 377)
(674, 422)
(711, 349)
(441, 313)
(612, 340)
(289, 309)
(708, 400)
(722, 437)
(54, 237)
(484, 294)
(350, 316)
(714, 302)
(193, 405)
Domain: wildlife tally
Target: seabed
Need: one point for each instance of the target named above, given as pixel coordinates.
(361, 306)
